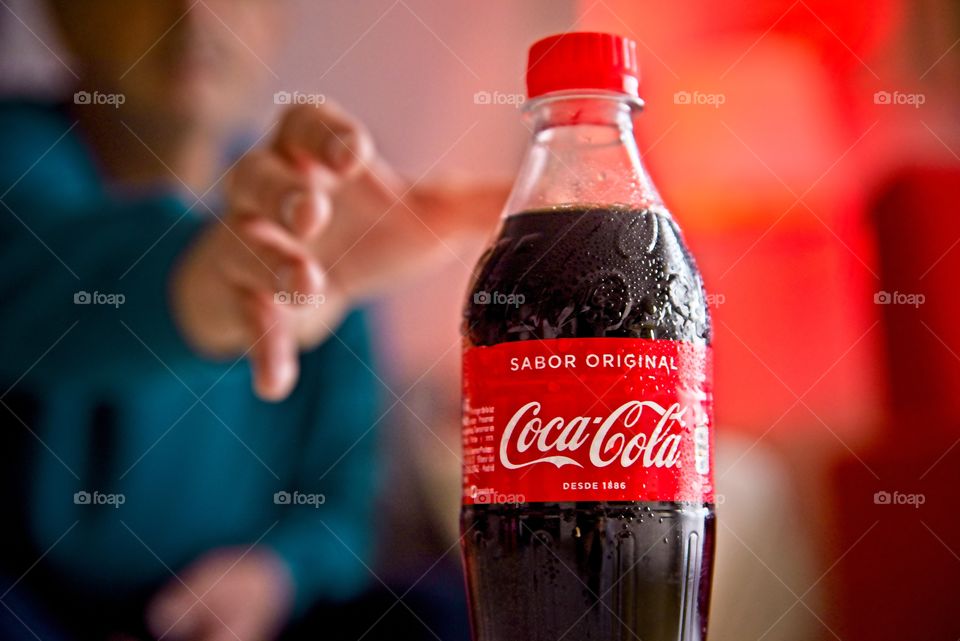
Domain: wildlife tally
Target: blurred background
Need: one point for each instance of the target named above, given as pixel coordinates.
(810, 151)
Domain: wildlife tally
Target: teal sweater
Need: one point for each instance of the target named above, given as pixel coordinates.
(174, 452)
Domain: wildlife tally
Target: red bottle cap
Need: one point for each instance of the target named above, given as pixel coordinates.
(583, 60)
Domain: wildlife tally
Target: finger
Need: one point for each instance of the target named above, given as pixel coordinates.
(264, 184)
(324, 134)
(306, 214)
(264, 257)
(273, 355)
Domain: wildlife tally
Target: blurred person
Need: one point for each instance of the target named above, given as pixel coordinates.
(154, 493)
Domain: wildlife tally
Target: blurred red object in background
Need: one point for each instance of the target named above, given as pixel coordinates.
(919, 234)
(902, 563)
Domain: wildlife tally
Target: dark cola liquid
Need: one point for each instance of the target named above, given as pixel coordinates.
(575, 571)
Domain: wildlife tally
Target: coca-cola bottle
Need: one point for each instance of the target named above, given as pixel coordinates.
(587, 400)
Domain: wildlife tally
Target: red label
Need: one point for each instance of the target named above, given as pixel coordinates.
(587, 419)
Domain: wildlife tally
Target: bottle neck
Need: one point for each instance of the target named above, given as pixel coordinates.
(583, 154)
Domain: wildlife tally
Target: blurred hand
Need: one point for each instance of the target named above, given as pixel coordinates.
(237, 288)
(315, 217)
(227, 594)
